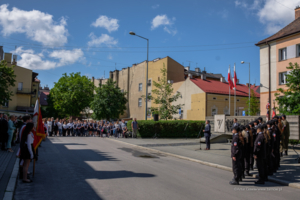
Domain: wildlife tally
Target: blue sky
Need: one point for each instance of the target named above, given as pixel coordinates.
(56, 37)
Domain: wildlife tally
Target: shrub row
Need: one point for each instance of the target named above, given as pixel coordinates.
(169, 129)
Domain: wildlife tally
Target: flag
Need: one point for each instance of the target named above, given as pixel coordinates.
(274, 113)
(39, 132)
(235, 78)
(229, 79)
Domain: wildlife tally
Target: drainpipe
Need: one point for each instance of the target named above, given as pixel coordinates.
(269, 80)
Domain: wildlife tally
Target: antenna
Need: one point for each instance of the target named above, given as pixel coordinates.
(115, 66)
(189, 62)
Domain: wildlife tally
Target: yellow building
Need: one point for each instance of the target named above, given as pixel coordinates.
(25, 91)
(207, 97)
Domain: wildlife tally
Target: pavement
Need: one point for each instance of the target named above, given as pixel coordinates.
(99, 168)
(7, 161)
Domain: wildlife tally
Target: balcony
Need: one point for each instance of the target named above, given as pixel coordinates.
(26, 91)
(25, 109)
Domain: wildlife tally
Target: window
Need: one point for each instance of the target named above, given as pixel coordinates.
(122, 91)
(298, 50)
(226, 99)
(5, 104)
(20, 86)
(214, 98)
(140, 86)
(149, 94)
(45, 99)
(149, 82)
(237, 100)
(282, 54)
(282, 78)
(158, 79)
(140, 102)
(214, 110)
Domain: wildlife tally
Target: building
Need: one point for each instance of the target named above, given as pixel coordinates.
(133, 81)
(25, 91)
(202, 97)
(276, 52)
(44, 93)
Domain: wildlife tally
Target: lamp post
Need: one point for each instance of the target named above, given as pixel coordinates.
(249, 85)
(146, 109)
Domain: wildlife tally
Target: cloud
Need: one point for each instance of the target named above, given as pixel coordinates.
(155, 6)
(271, 13)
(163, 20)
(109, 24)
(60, 58)
(110, 57)
(224, 14)
(37, 26)
(103, 39)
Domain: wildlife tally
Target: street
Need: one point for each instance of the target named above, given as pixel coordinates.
(97, 168)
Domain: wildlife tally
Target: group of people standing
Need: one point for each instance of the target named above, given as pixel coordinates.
(263, 143)
(84, 128)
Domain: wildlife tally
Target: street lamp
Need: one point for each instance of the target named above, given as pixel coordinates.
(249, 85)
(146, 109)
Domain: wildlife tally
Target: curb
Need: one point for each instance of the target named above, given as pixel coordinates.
(275, 180)
(11, 186)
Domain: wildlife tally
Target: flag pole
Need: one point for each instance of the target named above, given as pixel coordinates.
(234, 92)
(229, 89)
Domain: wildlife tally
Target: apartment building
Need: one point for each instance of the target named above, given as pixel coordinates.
(25, 91)
(276, 52)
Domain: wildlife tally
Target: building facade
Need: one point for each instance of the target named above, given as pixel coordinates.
(25, 91)
(276, 52)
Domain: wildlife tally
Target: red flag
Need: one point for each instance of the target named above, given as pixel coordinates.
(235, 78)
(229, 79)
(39, 133)
(274, 113)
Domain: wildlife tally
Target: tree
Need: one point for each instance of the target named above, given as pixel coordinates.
(254, 104)
(288, 99)
(7, 80)
(109, 102)
(50, 111)
(163, 96)
(71, 94)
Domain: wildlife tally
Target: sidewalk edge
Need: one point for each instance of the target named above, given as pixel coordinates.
(275, 180)
(11, 186)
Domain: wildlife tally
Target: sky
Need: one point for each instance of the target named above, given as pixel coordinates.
(92, 37)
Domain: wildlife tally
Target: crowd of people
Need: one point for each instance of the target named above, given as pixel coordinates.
(263, 143)
(87, 128)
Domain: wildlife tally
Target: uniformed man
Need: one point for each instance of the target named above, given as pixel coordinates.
(235, 123)
(235, 156)
(285, 135)
(271, 161)
(259, 154)
(207, 134)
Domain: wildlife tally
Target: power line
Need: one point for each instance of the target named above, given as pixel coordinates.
(283, 5)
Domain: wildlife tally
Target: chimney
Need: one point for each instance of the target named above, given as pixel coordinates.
(222, 79)
(297, 12)
(7, 57)
(197, 69)
(190, 75)
(187, 68)
(247, 84)
(203, 76)
(93, 79)
(1, 53)
(204, 72)
(14, 60)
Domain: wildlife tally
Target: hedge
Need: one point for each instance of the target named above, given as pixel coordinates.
(168, 129)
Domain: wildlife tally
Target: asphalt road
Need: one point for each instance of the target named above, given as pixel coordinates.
(97, 168)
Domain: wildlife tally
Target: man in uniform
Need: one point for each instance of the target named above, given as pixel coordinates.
(235, 156)
(285, 135)
(207, 134)
(259, 154)
(235, 123)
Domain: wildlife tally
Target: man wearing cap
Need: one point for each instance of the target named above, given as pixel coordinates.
(259, 154)
(207, 134)
(235, 156)
(285, 135)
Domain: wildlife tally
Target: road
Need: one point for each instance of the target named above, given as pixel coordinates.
(99, 168)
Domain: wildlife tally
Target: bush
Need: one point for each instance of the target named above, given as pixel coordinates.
(294, 142)
(169, 129)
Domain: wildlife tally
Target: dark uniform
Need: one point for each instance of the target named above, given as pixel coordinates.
(207, 135)
(271, 161)
(259, 152)
(235, 152)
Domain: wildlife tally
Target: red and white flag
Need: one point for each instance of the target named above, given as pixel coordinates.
(39, 132)
(229, 79)
(234, 77)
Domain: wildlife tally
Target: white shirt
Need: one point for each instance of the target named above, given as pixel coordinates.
(30, 139)
(65, 126)
(59, 125)
(49, 124)
(70, 125)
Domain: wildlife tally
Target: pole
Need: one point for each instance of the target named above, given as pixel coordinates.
(146, 109)
(229, 96)
(234, 91)
(249, 91)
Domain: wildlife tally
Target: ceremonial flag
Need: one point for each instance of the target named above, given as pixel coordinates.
(274, 113)
(229, 79)
(234, 78)
(39, 132)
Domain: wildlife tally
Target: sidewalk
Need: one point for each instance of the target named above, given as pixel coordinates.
(7, 161)
(219, 154)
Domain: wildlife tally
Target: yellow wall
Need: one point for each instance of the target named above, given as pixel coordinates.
(198, 107)
(25, 76)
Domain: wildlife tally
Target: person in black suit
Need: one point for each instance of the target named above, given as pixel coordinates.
(207, 134)
(3, 132)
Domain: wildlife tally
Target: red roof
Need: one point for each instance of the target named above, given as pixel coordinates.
(36, 80)
(217, 87)
(43, 98)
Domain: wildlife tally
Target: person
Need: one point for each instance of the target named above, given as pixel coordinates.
(246, 151)
(259, 154)
(271, 158)
(249, 159)
(27, 150)
(260, 121)
(90, 127)
(277, 145)
(10, 132)
(86, 127)
(207, 134)
(285, 135)
(65, 128)
(118, 129)
(267, 138)
(280, 127)
(55, 128)
(49, 125)
(3, 132)
(70, 128)
(124, 128)
(59, 125)
(235, 123)
(135, 127)
(95, 128)
(241, 162)
(75, 128)
(98, 128)
(235, 156)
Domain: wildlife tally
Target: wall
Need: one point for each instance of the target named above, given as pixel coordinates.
(124, 77)
(35, 86)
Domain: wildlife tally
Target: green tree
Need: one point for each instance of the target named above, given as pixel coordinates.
(50, 111)
(7, 80)
(163, 96)
(254, 104)
(109, 102)
(288, 99)
(71, 94)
